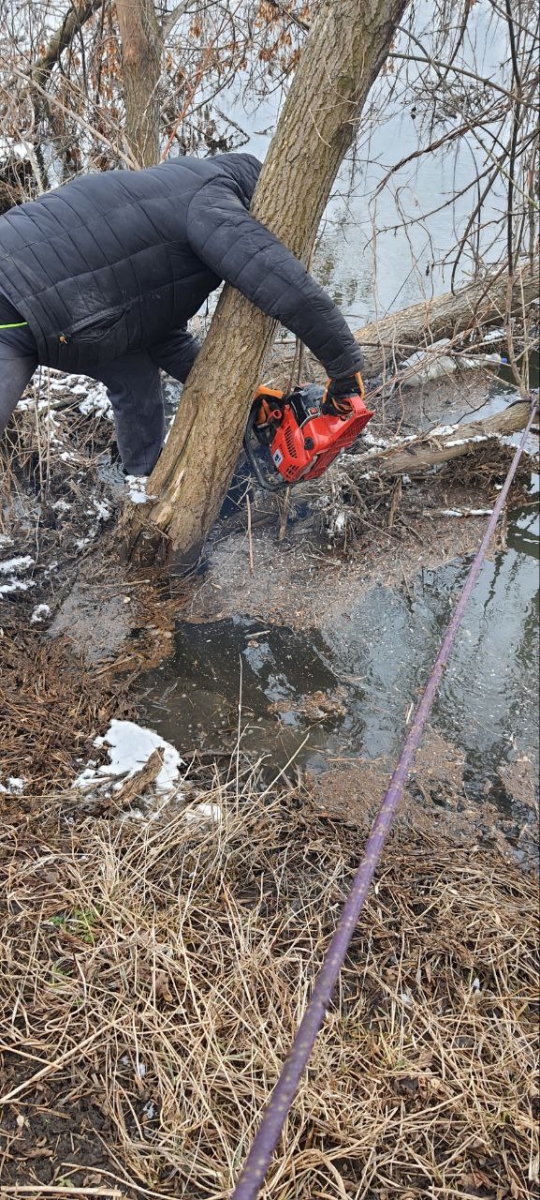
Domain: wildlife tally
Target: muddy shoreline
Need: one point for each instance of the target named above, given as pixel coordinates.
(134, 921)
(110, 626)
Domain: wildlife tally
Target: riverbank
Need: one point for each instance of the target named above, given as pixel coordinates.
(160, 939)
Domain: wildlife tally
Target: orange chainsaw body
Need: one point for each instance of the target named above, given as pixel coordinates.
(303, 441)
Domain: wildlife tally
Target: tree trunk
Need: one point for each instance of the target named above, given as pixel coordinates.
(385, 341)
(344, 52)
(142, 44)
(431, 449)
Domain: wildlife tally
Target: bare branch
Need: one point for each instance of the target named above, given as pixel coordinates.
(172, 18)
(78, 15)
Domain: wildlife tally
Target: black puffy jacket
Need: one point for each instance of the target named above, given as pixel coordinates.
(109, 263)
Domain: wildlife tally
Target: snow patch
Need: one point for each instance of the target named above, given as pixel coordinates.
(11, 565)
(15, 787)
(96, 402)
(101, 507)
(202, 813)
(466, 512)
(442, 430)
(478, 437)
(425, 365)
(136, 486)
(9, 572)
(130, 746)
(40, 613)
(9, 149)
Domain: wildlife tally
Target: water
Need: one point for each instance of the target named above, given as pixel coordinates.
(268, 683)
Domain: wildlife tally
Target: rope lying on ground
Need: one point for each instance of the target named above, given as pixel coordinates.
(266, 1139)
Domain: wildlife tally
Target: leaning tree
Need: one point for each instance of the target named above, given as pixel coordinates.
(344, 52)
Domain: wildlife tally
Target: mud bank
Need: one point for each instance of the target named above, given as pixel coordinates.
(323, 622)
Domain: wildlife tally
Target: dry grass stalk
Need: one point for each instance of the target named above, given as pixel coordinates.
(153, 975)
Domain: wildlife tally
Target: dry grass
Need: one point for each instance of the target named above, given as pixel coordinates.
(153, 975)
(51, 710)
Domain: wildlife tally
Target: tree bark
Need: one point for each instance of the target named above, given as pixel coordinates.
(344, 52)
(431, 449)
(142, 44)
(392, 338)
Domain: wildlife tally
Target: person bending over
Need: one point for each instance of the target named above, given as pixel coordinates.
(102, 275)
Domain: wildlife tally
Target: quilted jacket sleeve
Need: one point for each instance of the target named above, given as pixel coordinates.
(241, 251)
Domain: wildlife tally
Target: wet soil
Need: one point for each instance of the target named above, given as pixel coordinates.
(324, 638)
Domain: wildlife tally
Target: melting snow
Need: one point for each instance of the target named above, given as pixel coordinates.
(203, 812)
(40, 613)
(16, 564)
(9, 149)
(478, 437)
(101, 507)
(466, 512)
(442, 430)
(15, 787)
(136, 485)
(97, 402)
(9, 570)
(130, 746)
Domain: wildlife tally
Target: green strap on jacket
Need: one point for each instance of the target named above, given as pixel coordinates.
(14, 325)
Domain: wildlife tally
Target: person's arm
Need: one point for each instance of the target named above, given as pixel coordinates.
(241, 251)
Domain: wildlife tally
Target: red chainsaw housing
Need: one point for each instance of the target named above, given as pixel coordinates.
(304, 451)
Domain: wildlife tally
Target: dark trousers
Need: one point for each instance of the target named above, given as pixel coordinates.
(133, 385)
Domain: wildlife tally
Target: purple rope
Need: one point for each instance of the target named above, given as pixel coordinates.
(273, 1119)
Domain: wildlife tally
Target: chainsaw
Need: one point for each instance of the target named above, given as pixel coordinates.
(301, 439)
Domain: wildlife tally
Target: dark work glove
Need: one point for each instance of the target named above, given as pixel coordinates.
(336, 402)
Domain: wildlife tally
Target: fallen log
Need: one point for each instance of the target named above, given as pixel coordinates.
(386, 341)
(440, 445)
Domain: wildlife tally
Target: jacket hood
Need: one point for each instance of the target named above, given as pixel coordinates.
(244, 168)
